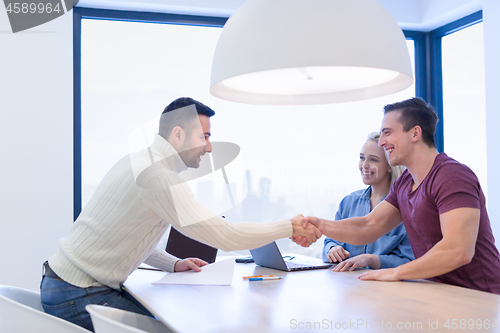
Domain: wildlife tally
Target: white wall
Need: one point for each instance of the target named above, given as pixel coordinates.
(433, 13)
(36, 146)
(491, 26)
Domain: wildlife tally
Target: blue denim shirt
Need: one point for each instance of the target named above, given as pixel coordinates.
(393, 249)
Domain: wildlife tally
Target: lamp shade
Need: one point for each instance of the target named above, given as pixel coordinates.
(303, 52)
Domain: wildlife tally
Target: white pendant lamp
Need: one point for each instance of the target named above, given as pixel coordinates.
(304, 52)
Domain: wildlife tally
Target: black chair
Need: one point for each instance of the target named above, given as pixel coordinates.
(184, 247)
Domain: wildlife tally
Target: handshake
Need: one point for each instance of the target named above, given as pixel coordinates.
(306, 230)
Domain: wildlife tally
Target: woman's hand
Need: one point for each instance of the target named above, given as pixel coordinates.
(337, 254)
(362, 260)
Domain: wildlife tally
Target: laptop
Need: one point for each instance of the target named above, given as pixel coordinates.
(184, 247)
(270, 256)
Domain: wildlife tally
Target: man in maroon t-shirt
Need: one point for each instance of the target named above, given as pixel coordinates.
(440, 202)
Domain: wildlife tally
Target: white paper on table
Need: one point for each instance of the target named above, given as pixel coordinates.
(220, 273)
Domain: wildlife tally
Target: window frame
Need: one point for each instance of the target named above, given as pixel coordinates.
(434, 40)
(80, 13)
(428, 72)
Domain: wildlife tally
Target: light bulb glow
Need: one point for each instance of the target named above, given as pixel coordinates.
(307, 80)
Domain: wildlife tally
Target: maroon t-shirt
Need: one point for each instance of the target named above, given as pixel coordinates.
(448, 185)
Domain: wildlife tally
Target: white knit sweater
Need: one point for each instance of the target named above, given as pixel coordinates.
(130, 211)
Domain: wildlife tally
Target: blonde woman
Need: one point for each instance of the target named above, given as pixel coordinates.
(390, 250)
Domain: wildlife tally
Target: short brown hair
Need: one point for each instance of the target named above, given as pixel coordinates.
(416, 112)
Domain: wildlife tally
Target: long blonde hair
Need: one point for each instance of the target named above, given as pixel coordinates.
(397, 170)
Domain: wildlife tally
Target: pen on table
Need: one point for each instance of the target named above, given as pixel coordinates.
(265, 278)
(256, 276)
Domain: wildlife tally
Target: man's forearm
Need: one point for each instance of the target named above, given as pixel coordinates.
(365, 229)
(455, 249)
(439, 260)
(354, 230)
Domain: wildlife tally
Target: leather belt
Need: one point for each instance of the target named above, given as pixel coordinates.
(48, 272)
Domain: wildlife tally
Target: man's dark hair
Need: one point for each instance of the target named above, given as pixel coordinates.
(416, 112)
(182, 119)
(186, 101)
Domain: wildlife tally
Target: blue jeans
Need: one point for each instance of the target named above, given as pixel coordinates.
(68, 302)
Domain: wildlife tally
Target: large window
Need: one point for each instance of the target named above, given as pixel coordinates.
(464, 110)
(298, 159)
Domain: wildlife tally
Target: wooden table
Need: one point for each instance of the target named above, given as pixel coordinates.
(316, 301)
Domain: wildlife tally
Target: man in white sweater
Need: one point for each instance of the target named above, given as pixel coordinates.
(130, 211)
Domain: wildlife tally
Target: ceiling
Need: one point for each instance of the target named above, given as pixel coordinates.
(420, 15)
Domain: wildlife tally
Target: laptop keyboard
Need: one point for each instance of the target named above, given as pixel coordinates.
(290, 264)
